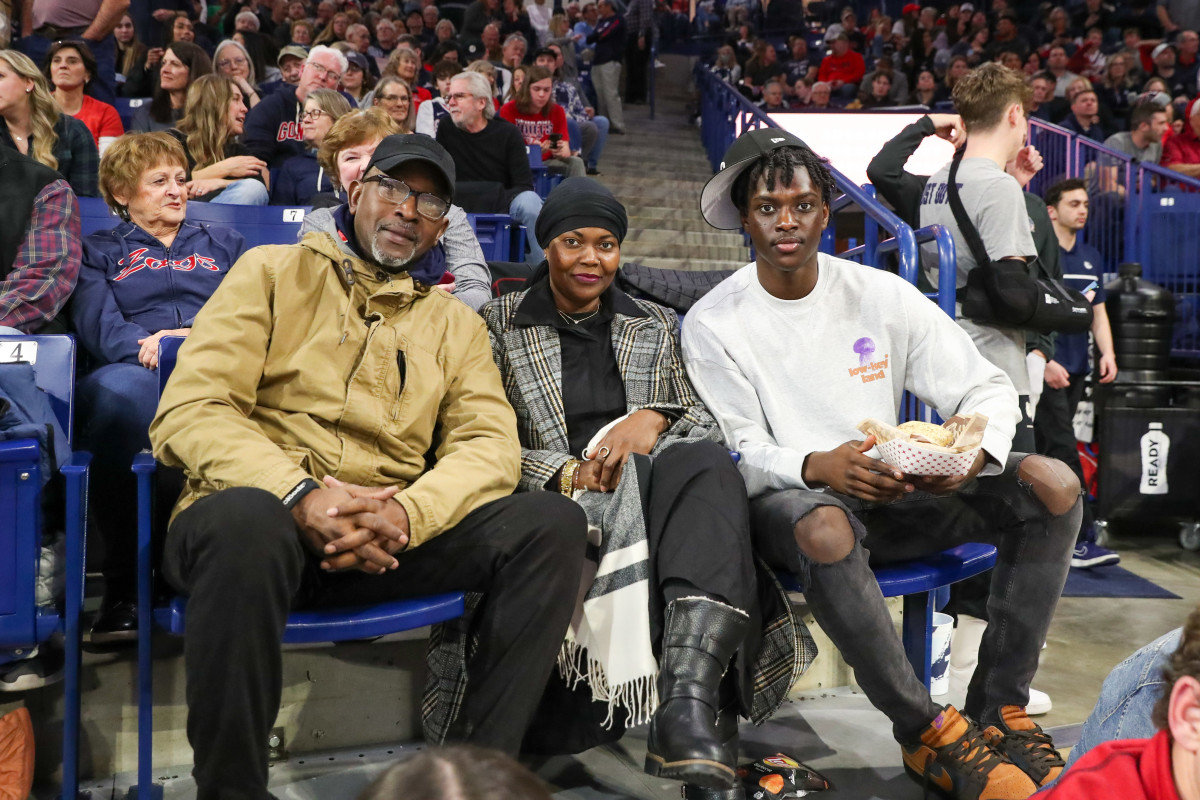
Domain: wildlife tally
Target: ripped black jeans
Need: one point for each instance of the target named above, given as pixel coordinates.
(1033, 555)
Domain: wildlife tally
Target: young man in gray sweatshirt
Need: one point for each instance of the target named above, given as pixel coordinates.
(789, 354)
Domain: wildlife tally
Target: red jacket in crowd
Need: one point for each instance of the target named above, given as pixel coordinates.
(848, 68)
(1133, 769)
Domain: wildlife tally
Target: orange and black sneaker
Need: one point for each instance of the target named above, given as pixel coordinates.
(954, 760)
(1025, 744)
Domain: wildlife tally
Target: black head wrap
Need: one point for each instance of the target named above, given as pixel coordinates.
(580, 203)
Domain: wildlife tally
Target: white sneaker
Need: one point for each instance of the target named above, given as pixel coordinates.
(1039, 703)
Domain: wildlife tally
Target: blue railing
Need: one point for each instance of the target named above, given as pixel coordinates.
(726, 114)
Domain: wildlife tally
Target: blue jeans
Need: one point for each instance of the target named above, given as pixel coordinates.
(243, 192)
(525, 208)
(103, 83)
(116, 406)
(1127, 697)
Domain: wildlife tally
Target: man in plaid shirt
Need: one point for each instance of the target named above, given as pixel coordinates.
(40, 245)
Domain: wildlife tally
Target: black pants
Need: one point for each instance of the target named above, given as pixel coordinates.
(239, 557)
(1033, 551)
(637, 67)
(1055, 429)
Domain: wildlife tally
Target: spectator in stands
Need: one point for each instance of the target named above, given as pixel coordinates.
(395, 98)
(512, 55)
(608, 43)
(1056, 65)
(1057, 30)
(178, 28)
(220, 168)
(763, 66)
(726, 66)
(432, 111)
(490, 157)
(1044, 105)
(302, 33)
(488, 70)
(879, 94)
(819, 97)
(1115, 90)
(31, 124)
(262, 52)
(122, 307)
(386, 36)
(44, 22)
(842, 69)
(406, 542)
(516, 21)
(358, 81)
(273, 132)
(1142, 142)
(335, 31)
(516, 82)
(955, 72)
(885, 42)
(344, 155)
(291, 64)
(478, 15)
(1089, 59)
(1187, 64)
(1181, 151)
(898, 93)
(1085, 116)
(991, 101)
(772, 98)
(231, 60)
(1164, 68)
(130, 60)
(925, 91)
(1067, 373)
(652, 468)
(1164, 766)
(405, 63)
(848, 26)
(800, 65)
(39, 245)
(586, 26)
(791, 437)
(1176, 15)
(592, 128)
(563, 41)
(642, 31)
(301, 176)
(358, 36)
(543, 122)
(182, 63)
(69, 69)
(461, 772)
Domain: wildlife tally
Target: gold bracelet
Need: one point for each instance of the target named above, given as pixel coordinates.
(566, 482)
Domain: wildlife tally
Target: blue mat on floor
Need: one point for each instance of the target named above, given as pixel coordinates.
(1112, 581)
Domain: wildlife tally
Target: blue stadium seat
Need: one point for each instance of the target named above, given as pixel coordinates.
(494, 232)
(259, 224)
(22, 622)
(328, 625)
(126, 106)
(95, 215)
(543, 179)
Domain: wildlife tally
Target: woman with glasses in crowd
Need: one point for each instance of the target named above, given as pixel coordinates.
(182, 63)
(231, 60)
(393, 96)
(220, 168)
(302, 176)
(70, 68)
(31, 124)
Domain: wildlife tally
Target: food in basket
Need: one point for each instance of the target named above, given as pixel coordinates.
(928, 432)
(916, 447)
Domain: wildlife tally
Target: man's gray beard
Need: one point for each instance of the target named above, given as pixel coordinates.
(391, 264)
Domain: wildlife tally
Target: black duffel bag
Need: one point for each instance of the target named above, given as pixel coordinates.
(1004, 293)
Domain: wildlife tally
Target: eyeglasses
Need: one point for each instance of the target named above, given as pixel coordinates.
(396, 192)
(391, 98)
(226, 63)
(314, 114)
(458, 97)
(324, 73)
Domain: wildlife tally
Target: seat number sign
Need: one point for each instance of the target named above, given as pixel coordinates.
(13, 351)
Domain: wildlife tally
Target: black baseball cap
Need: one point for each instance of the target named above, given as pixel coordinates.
(545, 51)
(716, 201)
(400, 148)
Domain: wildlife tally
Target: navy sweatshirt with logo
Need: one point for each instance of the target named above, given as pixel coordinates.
(273, 130)
(130, 286)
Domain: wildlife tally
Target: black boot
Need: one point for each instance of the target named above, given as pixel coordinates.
(727, 732)
(699, 639)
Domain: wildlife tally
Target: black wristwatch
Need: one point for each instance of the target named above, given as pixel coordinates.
(297, 493)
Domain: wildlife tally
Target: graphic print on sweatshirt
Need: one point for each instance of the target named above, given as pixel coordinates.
(870, 367)
(534, 130)
(137, 260)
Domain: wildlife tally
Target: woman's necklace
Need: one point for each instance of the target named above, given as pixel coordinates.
(571, 320)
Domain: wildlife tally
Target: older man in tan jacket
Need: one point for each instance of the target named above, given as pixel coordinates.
(347, 441)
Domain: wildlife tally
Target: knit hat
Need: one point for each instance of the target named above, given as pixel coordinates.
(580, 203)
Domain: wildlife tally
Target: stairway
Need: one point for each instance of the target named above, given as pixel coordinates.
(657, 170)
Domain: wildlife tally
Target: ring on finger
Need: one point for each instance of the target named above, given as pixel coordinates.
(604, 451)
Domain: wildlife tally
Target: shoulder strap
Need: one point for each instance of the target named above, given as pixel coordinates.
(969, 232)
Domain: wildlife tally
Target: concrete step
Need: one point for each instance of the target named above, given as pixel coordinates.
(689, 263)
(676, 238)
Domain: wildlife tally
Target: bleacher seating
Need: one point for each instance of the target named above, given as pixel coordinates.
(23, 623)
(127, 106)
(543, 179)
(327, 625)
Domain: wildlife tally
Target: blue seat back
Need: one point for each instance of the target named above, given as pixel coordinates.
(126, 106)
(53, 360)
(95, 215)
(259, 224)
(168, 354)
(494, 232)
